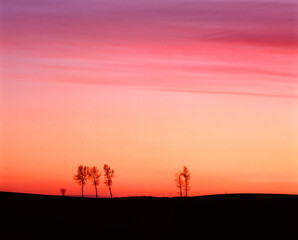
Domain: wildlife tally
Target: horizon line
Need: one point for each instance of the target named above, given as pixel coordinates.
(149, 196)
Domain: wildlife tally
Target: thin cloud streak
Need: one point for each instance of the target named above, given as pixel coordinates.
(226, 93)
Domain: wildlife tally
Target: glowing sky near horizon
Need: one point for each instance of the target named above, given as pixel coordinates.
(147, 87)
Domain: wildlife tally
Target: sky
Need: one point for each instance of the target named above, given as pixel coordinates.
(148, 87)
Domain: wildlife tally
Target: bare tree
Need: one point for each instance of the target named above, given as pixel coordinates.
(179, 182)
(62, 191)
(94, 175)
(82, 176)
(186, 178)
(108, 175)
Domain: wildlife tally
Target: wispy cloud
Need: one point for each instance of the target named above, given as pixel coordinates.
(216, 45)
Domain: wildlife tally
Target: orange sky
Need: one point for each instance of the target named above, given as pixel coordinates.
(230, 143)
(149, 96)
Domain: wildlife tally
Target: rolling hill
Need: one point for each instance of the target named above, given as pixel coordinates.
(210, 214)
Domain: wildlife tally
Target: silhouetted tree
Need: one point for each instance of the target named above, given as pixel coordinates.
(108, 175)
(186, 179)
(63, 191)
(179, 182)
(82, 176)
(94, 175)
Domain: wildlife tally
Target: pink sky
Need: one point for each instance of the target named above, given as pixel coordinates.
(147, 87)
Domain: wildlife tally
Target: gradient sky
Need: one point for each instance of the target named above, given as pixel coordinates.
(148, 86)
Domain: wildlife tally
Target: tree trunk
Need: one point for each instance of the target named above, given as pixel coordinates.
(95, 190)
(110, 192)
(82, 190)
(180, 190)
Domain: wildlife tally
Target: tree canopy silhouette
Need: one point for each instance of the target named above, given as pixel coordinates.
(94, 175)
(108, 175)
(82, 176)
(62, 191)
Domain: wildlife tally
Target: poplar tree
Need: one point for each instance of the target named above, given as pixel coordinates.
(82, 176)
(108, 175)
(179, 182)
(94, 175)
(186, 179)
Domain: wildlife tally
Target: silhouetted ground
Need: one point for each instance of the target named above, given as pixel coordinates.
(214, 214)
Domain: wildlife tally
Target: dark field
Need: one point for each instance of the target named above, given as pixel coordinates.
(214, 214)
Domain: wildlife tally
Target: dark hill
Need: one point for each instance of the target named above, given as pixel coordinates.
(212, 214)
